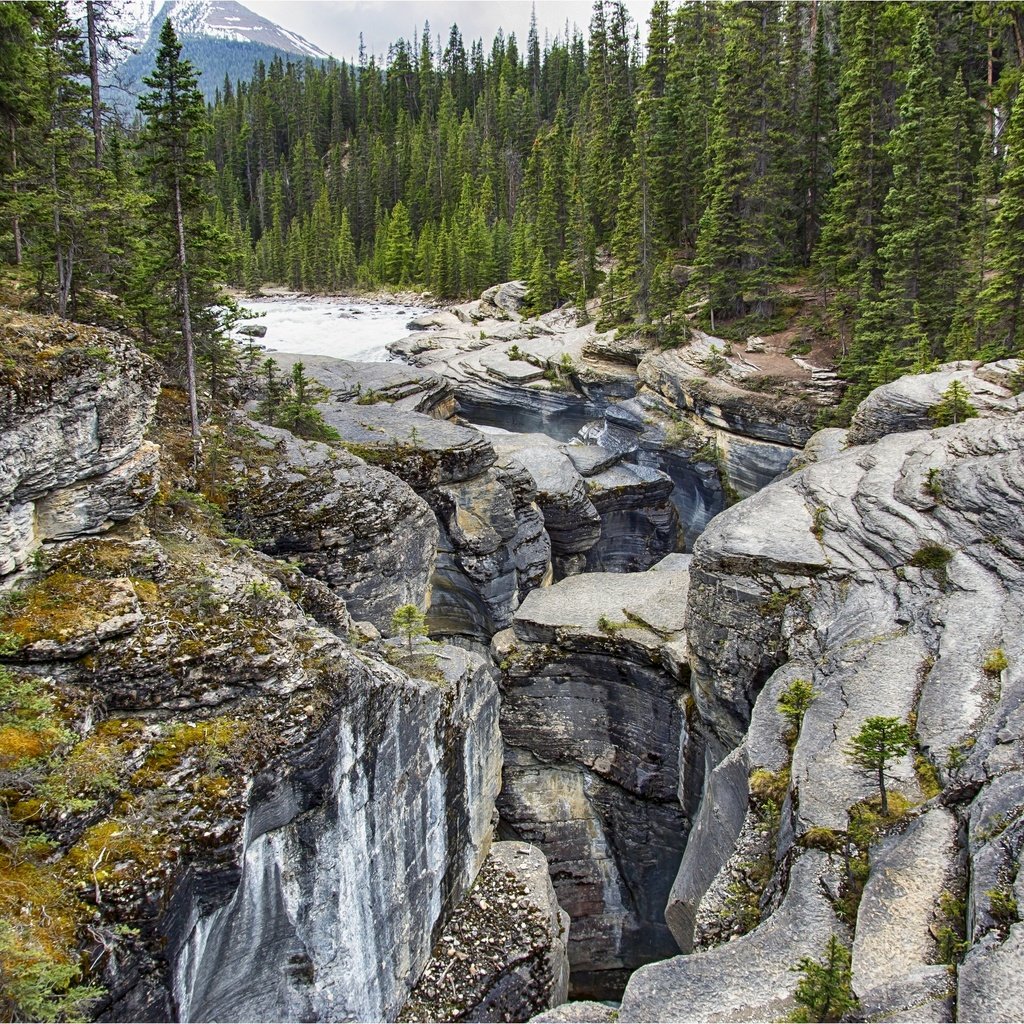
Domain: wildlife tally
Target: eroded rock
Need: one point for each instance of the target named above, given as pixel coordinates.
(592, 723)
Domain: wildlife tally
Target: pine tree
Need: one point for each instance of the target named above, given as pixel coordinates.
(740, 247)
(174, 161)
(921, 243)
(1001, 312)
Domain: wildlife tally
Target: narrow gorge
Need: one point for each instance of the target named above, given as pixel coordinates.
(268, 801)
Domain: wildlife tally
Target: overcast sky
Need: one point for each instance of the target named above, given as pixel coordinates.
(334, 25)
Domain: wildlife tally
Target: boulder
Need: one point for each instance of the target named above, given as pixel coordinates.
(906, 404)
(365, 384)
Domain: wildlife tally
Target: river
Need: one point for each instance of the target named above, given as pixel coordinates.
(344, 328)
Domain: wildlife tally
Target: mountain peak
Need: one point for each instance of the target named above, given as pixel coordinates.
(217, 19)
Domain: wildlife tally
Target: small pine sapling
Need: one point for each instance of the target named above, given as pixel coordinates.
(879, 742)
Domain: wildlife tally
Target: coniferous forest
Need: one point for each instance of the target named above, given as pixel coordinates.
(869, 153)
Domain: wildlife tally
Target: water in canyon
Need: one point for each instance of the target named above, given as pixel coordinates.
(343, 328)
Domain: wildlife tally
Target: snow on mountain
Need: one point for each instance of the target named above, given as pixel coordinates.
(213, 19)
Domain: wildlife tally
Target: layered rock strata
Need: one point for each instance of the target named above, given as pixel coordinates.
(492, 548)
(592, 719)
(74, 405)
(887, 576)
(356, 527)
(600, 513)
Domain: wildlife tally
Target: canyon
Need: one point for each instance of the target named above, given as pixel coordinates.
(624, 555)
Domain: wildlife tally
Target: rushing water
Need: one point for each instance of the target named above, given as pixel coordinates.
(344, 328)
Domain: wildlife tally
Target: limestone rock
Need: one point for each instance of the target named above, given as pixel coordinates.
(900, 904)
(390, 806)
(578, 1013)
(904, 404)
(925, 994)
(749, 978)
(74, 406)
(366, 384)
(592, 723)
(989, 979)
(356, 527)
(423, 451)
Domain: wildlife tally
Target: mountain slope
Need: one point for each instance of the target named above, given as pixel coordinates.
(220, 37)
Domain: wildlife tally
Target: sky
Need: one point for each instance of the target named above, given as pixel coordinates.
(334, 25)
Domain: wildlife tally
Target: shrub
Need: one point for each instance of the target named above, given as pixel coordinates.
(996, 662)
(824, 993)
(934, 558)
(794, 702)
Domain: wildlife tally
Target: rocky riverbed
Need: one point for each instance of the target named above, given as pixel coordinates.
(258, 804)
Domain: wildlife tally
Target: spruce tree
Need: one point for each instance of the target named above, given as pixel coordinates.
(920, 241)
(1001, 303)
(872, 37)
(740, 247)
(176, 169)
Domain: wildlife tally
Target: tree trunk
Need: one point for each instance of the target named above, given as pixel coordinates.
(186, 324)
(881, 789)
(15, 223)
(94, 83)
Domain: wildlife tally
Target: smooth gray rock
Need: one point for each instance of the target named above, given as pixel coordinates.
(827, 574)
(423, 451)
(904, 405)
(989, 985)
(494, 550)
(749, 978)
(710, 845)
(899, 907)
(639, 523)
(721, 401)
(351, 861)
(366, 384)
(924, 995)
(570, 517)
(578, 1013)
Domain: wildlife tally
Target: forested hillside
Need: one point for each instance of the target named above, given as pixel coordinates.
(865, 150)
(866, 154)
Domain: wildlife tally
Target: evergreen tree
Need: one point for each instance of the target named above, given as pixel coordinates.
(634, 243)
(871, 40)
(921, 243)
(740, 247)
(174, 161)
(1001, 312)
(880, 741)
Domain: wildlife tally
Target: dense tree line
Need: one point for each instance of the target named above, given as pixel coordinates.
(871, 153)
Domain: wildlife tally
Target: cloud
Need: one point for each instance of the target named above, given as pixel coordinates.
(335, 25)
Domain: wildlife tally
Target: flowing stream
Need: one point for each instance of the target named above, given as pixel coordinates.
(343, 328)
